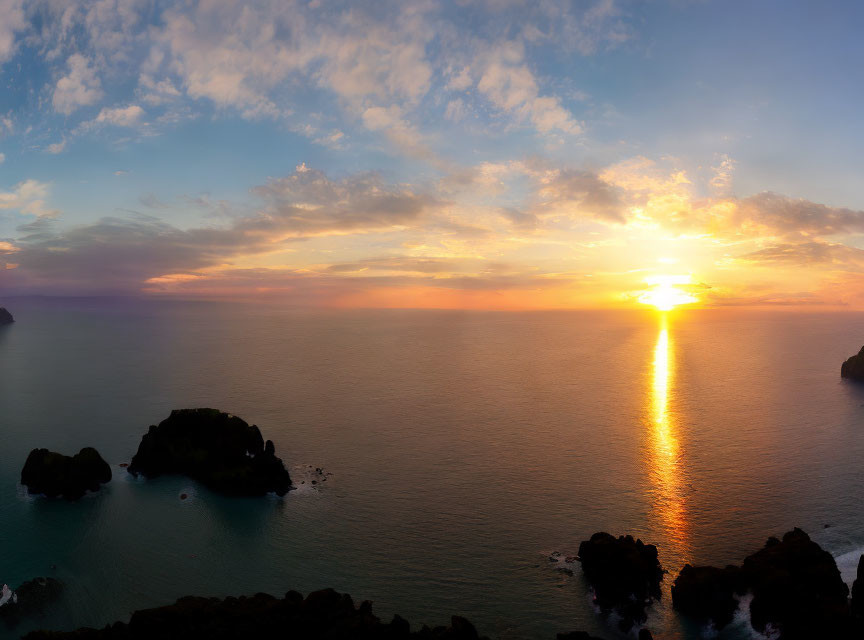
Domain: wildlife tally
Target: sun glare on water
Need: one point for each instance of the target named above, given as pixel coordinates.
(665, 294)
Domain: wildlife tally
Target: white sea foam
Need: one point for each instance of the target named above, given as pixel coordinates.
(848, 565)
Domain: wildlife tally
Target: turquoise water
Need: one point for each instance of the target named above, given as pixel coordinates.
(464, 447)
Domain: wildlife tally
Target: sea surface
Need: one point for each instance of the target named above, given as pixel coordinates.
(464, 448)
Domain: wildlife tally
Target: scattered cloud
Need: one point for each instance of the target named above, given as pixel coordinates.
(79, 87)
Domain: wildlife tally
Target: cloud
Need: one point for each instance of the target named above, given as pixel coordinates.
(79, 87)
(120, 116)
(769, 213)
(117, 254)
(579, 194)
(29, 197)
(57, 147)
(807, 254)
(511, 86)
(12, 12)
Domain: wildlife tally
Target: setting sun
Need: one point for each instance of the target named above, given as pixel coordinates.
(665, 294)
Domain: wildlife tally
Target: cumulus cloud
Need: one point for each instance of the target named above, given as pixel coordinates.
(511, 86)
(79, 87)
(29, 197)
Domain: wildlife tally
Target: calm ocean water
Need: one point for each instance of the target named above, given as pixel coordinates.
(464, 447)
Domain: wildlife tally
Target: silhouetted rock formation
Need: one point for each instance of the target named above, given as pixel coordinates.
(625, 574)
(31, 598)
(577, 635)
(858, 592)
(219, 450)
(854, 366)
(708, 593)
(69, 476)
(322, 615)
(5, 317)
(796, 587)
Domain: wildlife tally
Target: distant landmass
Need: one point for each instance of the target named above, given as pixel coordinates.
(5, 317)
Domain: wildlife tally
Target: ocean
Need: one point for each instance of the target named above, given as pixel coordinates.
(465, 447)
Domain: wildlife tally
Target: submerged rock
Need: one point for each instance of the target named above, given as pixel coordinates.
(625, 574)
(796, 586)
(5, 317)
(321, 615)
(708, 594)
(853, 367)
(31, 598)
(69, 476)
(217, 449)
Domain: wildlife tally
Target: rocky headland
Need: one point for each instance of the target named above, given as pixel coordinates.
(54, 474)
(218, 450)
(853, 367)
(624, 573)
(32, 598)
(5, 317)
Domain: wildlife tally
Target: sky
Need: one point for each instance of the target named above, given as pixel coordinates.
(488, 154)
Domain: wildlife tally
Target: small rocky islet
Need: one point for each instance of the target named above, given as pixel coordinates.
(5, 317)
(56, 475)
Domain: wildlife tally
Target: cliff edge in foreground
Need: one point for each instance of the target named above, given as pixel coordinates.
(321, 615)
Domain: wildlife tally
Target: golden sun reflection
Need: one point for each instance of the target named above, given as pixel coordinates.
(665, 458)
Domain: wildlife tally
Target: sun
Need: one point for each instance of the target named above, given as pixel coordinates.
(665, 294)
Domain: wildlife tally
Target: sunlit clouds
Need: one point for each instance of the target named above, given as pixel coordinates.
(480, 155)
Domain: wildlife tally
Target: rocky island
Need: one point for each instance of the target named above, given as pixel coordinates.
(853, 367)
(796, 587)
(53, 474)
(5, 317)
(624, 573)
(218, 450)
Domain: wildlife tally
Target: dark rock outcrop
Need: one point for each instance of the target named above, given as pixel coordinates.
(854, 366)
(858, 593)
(32, 598)
(797, 589)
(5, 317)
(707, 594)
(796, 586)
(576, 635)
(625, 574)
(217, 449)
(321, 615)
(69, 476)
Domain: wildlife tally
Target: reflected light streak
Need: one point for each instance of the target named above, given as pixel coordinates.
(667, 473)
